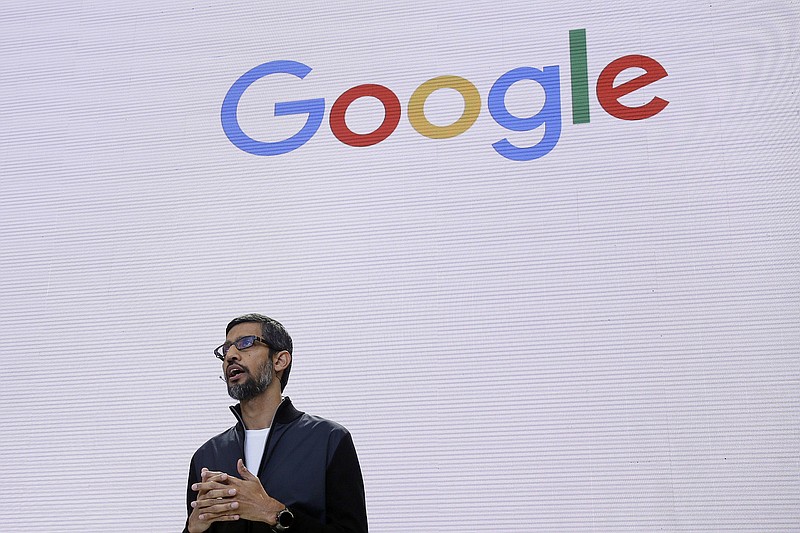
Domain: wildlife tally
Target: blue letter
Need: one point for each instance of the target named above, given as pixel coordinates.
(550, 115)
(230, 123)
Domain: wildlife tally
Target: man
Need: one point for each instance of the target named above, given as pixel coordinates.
(277, 469)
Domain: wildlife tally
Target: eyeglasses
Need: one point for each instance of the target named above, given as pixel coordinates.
(242, 343)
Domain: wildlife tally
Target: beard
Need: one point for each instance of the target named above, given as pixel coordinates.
(254, 384)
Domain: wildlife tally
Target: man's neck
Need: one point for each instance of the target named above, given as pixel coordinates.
(257, 413)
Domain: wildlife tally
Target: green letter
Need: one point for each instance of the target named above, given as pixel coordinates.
(579, 76)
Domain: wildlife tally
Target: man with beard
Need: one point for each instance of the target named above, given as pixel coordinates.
(277, 469)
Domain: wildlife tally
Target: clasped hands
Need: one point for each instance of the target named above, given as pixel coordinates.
(222, 497)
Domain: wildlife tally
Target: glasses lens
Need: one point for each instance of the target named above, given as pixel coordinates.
(245, 342)
(241, 344)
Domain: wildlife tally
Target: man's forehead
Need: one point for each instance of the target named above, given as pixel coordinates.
(245, 328)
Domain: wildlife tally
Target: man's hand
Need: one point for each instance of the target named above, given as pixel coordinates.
(254, 502)
(214, 501)
(222, 497)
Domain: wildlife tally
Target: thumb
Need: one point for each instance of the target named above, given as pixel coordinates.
(243, 471)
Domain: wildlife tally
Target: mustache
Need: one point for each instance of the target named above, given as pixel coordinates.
(245, 370)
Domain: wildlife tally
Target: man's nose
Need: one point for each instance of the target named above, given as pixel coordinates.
(232, 355)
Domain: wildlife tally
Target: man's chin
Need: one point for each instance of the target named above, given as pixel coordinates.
(244, 390)
(244, 386)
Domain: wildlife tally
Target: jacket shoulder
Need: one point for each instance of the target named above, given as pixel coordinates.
(315, 431)
(222, 440)
(321, 425)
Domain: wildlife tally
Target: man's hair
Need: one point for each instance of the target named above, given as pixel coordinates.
(275, 335)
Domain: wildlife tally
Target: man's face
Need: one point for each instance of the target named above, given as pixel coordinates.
(248, 373)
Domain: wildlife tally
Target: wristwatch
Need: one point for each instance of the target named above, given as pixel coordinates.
(285, 519)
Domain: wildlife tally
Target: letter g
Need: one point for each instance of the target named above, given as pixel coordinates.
(230, 123)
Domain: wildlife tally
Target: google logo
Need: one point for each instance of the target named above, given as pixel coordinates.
(608, 95)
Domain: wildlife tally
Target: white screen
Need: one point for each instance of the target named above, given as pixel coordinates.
(601, 338)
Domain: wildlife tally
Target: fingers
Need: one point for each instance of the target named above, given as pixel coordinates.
(206, 486)
(216, 510)
(206, 475)
(213, 493)
(222, 518)
(215, 506)
(216, 494)
(243, 471)
(209, 476)
(218, 513)
(214, 500)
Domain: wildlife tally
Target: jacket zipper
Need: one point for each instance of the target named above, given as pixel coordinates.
(263, 461)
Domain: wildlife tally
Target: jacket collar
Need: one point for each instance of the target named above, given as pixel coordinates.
(284, 414)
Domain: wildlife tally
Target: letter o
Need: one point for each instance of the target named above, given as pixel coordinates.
(391, 119)
(416, 107)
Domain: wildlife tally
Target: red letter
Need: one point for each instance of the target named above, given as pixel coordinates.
(608, 95)
(391, 106)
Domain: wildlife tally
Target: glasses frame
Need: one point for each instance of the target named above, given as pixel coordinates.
(221, 351)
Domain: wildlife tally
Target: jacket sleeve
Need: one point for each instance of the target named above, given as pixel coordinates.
(346, 508)
(190, 494)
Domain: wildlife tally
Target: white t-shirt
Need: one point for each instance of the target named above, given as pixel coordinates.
(254, 441)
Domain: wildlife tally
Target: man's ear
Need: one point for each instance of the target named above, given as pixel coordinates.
(281, 360)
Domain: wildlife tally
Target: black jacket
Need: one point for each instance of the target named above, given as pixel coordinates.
(309, 464)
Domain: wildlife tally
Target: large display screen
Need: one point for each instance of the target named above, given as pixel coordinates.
(541, 259)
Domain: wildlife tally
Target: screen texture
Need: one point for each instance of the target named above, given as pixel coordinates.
(541, 259)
